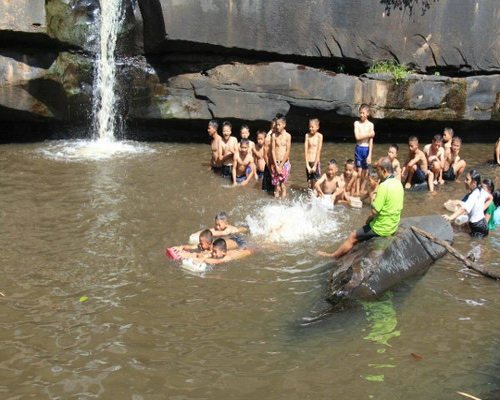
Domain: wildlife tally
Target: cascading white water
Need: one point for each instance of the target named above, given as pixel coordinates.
(105, 96)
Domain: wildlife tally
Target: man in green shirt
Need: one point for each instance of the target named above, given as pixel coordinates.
(386, 211)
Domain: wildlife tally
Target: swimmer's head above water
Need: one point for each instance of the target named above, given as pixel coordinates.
(219, 248)
(221, 221)
(206, 239)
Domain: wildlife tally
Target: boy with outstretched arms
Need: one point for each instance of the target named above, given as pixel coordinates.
(280, 150)
(364, 133)
(215, 147)
(392, 154)
(258, 155)
(221, 228)
(435, 158)
(312, 152)
(330, 184)
(220, 253)
(349, 180)
(229, 149)
(454, 166)
(415, 169)
(243, 166)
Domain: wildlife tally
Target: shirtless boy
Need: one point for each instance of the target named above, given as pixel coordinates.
(280, 150)
(205, 242)
(364, 133)
(392, 154)
(245, 134)
(216, 147)
(454, 166)
(330, 184)
(415, 168)
(349, 180)
(220, 253)
(268, 158)
(447, 138)
(243, 166)
(221, 228)
(312, 152)
(435, 158)
(258, 154)
(229, 146)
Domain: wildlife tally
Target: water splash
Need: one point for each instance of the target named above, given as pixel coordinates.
(292, 221)
(105, 104)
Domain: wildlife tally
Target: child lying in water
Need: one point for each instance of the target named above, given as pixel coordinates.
(221, 228)
(216, 255)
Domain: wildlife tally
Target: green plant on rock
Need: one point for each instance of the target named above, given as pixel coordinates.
(398, 71)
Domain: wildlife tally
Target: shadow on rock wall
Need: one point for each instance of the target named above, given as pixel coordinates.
(413, 6)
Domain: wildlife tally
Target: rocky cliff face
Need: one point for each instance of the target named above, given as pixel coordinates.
(202, 60)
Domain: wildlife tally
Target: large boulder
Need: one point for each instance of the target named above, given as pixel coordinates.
(379, 264)
(429, 35)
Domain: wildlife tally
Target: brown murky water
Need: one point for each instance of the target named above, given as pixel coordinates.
(91, 308)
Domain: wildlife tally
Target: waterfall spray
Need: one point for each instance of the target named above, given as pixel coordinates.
(105, 104)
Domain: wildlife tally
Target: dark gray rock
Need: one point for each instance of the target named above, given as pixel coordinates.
(427, 35)
(377, 265)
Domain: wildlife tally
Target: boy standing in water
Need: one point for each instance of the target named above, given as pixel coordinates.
(330, 184)
(435, 158)
(312, 152)
(454, 166)
(245, 134)
(229, 146)
(216, 147)
(280, 150)
(447, 138)
(268, 159)
(392, 154)
(364, 133)
(349, 180)
(243, 166)
(258, 154)
(415, 169)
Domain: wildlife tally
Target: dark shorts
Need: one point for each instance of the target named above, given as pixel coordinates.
(266, 181)
(479, 229)
(315, 175)
(226, 171)
(365, 233)
(260, 175)
(449, 174)
(360, 156)
(217, 170)
(241, 178)
(419, 176)
(239, 241)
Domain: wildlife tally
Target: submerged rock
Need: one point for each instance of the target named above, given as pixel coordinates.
(377, 265)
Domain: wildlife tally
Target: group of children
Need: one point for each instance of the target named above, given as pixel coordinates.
(267, 160)
(216, 245)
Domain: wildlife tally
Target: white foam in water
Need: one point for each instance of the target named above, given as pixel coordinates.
(292, 221)
(75, 150)
(194, 266)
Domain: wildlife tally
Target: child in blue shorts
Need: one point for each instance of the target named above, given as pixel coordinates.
(364, 133)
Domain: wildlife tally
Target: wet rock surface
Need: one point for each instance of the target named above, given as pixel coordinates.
(377, 265)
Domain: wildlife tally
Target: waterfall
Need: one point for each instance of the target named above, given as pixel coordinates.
(104, 109)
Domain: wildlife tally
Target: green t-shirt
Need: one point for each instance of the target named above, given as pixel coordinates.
(490, 210)
(388, 203)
